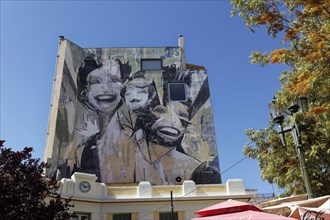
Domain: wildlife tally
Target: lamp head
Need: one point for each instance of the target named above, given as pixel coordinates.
(303, 103)
(299, 103)
(293, 108)
(275, 112)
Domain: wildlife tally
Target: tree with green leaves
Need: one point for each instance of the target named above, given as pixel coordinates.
(304, 26)
(24, 192)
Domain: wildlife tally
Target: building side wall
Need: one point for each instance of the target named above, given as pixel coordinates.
(55, 100)
(115, 120)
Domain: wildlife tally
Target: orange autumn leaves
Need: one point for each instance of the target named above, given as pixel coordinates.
(304, 27)
(300, 84)
(279, 55)
(310, 55)
(271, 18)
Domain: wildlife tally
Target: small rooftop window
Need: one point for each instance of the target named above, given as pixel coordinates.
(151, 64)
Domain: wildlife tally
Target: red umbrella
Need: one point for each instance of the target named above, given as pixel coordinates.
(245, 215)
(228, 206)
(236, 210)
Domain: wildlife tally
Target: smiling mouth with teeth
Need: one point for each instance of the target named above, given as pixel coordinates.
(105, 98)
(169, 133)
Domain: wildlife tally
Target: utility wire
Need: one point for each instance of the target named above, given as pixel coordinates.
(177, 199)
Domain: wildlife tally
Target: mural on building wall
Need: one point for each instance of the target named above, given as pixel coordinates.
(118, 121)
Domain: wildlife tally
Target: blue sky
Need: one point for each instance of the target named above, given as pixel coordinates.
(240, 91)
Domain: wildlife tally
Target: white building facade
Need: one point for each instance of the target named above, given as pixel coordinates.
(143, 201)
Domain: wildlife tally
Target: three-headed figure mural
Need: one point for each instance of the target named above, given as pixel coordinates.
(119, 122)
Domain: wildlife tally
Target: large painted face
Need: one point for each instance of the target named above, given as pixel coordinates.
(137, 95)
(103, 88)
(171, 121)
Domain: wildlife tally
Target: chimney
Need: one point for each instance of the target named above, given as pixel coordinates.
(183, 57)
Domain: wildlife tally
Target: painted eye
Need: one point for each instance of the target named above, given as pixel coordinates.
(95, 81)
(159, 110)
(183, 115)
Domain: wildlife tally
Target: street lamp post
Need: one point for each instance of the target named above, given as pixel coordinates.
(277, 115)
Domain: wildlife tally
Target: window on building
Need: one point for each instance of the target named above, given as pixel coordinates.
(122, 216)
(177, 92)
(151, 64)
(80, 216)
(168, 216)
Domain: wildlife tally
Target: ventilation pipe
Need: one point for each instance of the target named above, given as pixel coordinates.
(183, 57)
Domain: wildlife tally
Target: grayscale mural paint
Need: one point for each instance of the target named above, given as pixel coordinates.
(111, 118)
